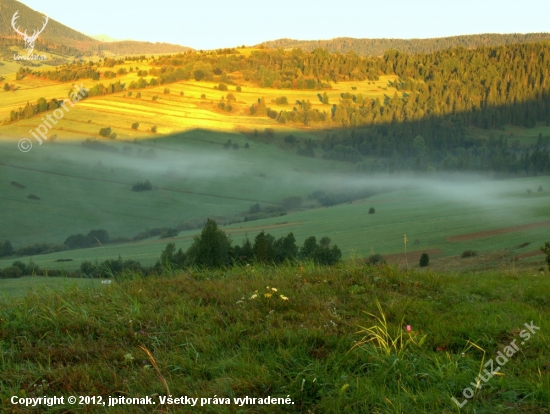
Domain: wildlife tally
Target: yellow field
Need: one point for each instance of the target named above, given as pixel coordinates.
(171, 112)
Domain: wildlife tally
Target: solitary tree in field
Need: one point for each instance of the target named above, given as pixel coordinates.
(211, 249)
(198, 74)
(424, 260)
(6, 249)
(105, 132)
(264, 251)
(546, 250)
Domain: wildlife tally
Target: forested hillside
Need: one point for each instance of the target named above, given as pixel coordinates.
(377, 47)
(422, 124)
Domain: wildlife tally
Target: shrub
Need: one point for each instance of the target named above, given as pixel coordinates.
(169, 233)
(290, 139)
(540, 189)
(528, 191)
(105, 132)
(135, 125)
(112, 136)
(231, 97)
(181, 93)
(21, 266)
(203, 96)
(98, 236)
(222, 87)
(211, 249)
(424, 260)
(166, 91)
(238, 89)
(40, 248)
(155, 97)
(146, 186)
(89, 269)
(281, 100)
(138, 95)
(376, 260)
(170, 258)
(546, 250)
(468, 253)
(11, 272)
(78, 241)
(292, 202)
(154, 129)
(6, 249)
(372, 210)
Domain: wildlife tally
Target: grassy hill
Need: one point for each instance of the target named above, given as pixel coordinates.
(195, 176)
(206, 334)
(70, 42)
(30, 20)
(377, 47)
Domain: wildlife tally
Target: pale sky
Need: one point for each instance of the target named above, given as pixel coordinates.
(216, 23)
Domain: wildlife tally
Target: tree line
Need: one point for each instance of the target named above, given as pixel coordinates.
(377, 47)
(213, 248)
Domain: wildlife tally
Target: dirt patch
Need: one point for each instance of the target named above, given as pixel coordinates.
(496, 232)
(532, 253)
(241, 230)
(411, 257)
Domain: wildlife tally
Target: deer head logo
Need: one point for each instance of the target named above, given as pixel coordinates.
(29, 40)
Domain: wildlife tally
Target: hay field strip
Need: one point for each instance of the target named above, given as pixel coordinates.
(189, 110)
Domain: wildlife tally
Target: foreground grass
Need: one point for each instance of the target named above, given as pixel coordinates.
(208, 337)
(10, 288)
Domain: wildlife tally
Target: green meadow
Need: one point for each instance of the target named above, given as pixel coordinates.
(194, 176)
(424, 178)
(325, 343)
(432, 215)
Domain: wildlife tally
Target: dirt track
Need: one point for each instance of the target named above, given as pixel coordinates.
(496, 232)
(532, 253)
(412, 257)
(241, 230)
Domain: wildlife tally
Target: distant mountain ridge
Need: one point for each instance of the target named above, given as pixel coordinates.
(63, 39)
(377, 47)
(104, 38)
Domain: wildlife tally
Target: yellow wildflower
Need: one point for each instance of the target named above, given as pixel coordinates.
(283, 297)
